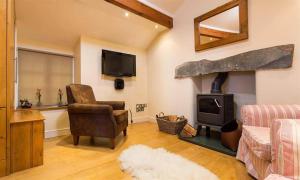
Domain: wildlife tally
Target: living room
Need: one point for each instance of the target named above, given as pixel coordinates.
(84, 84)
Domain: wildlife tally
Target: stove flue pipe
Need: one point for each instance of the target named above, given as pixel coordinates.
(216, 86)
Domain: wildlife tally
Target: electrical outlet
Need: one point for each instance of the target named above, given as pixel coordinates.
(140, 107)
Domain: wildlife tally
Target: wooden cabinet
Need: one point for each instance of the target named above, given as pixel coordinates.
(27, 140)
(10, 73)
(3, 119)
(2, 167)
(10, 56)
(7, 74)
(2, 133)
(2, 141)
(3, 53)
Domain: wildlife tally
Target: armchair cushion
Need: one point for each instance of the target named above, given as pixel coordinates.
(258, 141)
(116, 105)
(120, 116)
(83, 94)
(77, 108)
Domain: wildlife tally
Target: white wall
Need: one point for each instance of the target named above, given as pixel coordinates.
(77, 65)
(136, 89)
(270, 23)
(56, 123)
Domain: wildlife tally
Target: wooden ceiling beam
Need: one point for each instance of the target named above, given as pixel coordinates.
(145, 11)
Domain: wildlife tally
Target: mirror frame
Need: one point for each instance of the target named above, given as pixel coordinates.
(243, 21)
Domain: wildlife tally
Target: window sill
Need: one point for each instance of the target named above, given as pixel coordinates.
(46, 108)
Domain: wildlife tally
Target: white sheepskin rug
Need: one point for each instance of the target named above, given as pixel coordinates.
(145, 163)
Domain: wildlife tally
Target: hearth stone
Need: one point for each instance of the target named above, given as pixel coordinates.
(277, 57)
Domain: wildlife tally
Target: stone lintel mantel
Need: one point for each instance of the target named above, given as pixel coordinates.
(277, 57)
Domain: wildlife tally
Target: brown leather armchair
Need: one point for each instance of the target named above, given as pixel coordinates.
(89, 117)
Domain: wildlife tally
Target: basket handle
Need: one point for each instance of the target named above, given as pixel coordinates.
(181, 117)
(161, 114)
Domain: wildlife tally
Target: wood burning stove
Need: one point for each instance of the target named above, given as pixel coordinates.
(215, 109)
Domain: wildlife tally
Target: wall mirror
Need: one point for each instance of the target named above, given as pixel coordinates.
(223, 25)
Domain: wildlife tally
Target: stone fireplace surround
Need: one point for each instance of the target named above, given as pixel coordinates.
(277, 57)
(241, 68)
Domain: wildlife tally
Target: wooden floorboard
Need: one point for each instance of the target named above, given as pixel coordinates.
(62, 160)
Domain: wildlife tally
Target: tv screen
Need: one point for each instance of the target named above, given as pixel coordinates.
(118, 64)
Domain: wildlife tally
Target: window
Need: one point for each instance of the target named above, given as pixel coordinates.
(45, 71)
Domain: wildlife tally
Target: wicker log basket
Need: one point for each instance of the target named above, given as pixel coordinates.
(170, 124)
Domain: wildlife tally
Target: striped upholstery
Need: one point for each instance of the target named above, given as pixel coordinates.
(243, 154)
(276, 177)
(254, 148)
(262, 115)
(262, 167)
(285, 142)
(258, 141)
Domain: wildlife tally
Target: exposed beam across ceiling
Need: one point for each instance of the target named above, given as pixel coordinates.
(145, 11)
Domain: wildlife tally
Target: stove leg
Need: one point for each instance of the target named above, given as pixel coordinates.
(207, 131)
(199, 130)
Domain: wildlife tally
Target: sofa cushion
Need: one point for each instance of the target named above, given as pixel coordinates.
(258, 141)
(120, 115)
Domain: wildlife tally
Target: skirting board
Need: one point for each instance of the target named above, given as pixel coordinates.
(152, 119)
(57, 132)
(140, 119)
(66, 131)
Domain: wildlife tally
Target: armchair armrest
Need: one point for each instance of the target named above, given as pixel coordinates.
(77, 108)
(116, 105)
(276, 177)
(285, 146)
(263, 115)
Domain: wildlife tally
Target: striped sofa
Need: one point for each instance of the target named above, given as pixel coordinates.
(270, 142)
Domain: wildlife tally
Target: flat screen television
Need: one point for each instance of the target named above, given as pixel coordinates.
(118, 64)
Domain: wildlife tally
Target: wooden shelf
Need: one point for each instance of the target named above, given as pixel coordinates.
(45, 108)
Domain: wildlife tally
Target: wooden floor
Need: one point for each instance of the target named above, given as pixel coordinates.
(62, 160)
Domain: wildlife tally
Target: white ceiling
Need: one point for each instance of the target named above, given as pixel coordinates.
(62, 22)
(167, 6)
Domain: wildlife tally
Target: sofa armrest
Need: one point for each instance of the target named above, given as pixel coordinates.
(285, 147)
(263, 115)
(77, 108)
(116, 105)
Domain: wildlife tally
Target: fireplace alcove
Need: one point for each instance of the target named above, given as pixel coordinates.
(217, 108)
(240, 85)
(241, 69)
